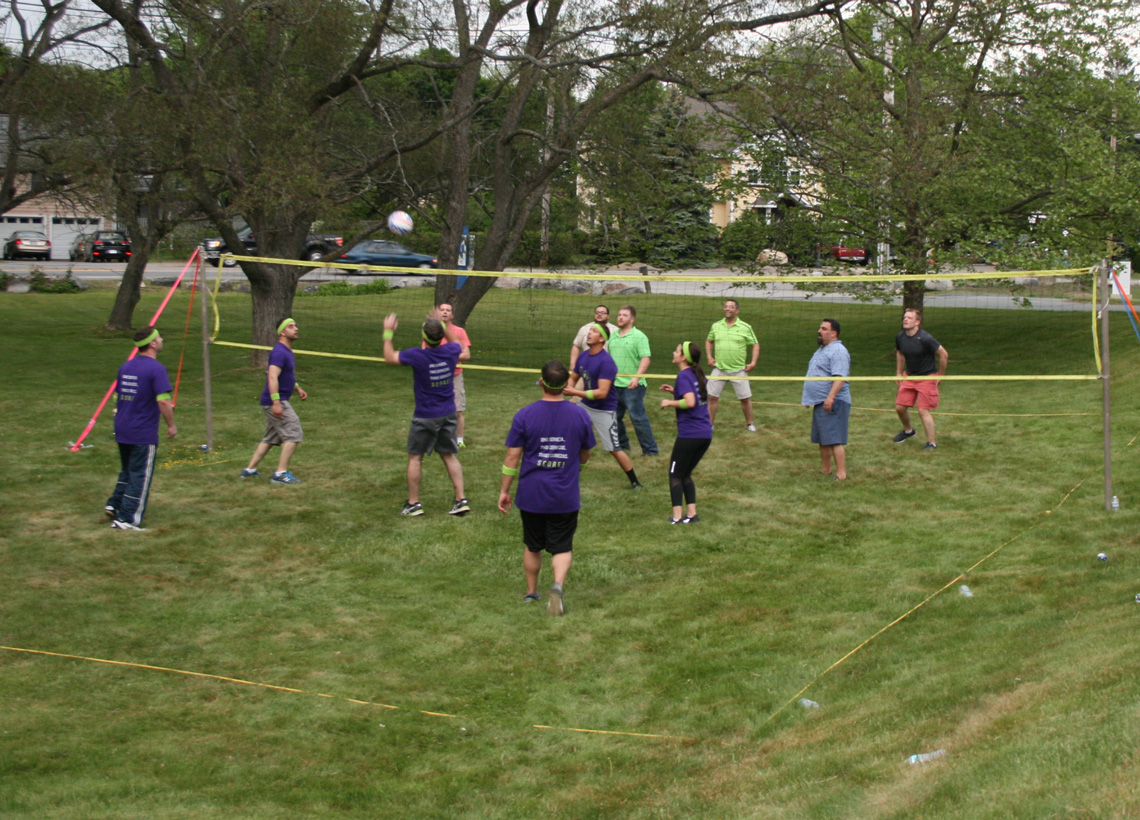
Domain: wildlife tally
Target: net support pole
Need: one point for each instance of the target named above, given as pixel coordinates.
(206, 364)
(1106, 380)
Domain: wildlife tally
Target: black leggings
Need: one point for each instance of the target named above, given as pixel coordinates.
(687, 454)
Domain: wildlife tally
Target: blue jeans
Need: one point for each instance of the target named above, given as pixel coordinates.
(633, 400)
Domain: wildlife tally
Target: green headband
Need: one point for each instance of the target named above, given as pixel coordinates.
(605, 331)
(431, 342)
(542, 381)
(685, 350)
(153, 335)
(284, 324)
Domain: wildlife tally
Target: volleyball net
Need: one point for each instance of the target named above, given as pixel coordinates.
(1038, 325)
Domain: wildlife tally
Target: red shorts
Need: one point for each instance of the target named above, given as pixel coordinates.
(922, 394)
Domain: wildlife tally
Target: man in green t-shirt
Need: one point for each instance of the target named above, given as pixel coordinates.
(630, 350)
(732, 351)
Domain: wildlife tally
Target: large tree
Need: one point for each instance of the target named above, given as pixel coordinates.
(284, 114)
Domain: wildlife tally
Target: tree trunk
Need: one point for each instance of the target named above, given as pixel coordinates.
(123, 311)
(272, 288)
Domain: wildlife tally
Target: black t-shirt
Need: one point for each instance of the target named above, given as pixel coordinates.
(919, 351)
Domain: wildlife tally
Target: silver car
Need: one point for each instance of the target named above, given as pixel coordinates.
(27, 244)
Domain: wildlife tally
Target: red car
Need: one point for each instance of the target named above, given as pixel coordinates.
(848, 254)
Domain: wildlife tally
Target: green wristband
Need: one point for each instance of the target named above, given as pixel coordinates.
(511, 471)
(389, 334)
(275, 396)
(590, 395)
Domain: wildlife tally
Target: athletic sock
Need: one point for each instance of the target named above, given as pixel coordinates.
(632, 476)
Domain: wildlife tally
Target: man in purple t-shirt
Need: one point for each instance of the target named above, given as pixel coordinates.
(434, 421)
(596, 369)
(282, 425)
(144, 394)
(548, 443)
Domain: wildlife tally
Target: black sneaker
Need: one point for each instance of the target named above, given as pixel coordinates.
(531, 597)
(635, 485)
(690, 519)
(110, 512)
(904, 435)
(460, 507)
(930, 445)
(412, 509)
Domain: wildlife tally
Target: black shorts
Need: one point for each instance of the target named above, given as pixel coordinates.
(553, 532)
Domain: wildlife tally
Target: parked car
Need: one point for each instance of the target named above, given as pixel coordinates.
(386, 252)
(857, 255)
(108, 246)
(78, 249)
(846, 253)
(28, 244)
(316, 246)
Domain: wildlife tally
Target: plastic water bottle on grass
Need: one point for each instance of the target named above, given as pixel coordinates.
(926, 757)
(808, 704)
(1115, 504)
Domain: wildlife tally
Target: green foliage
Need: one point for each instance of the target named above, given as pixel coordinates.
(649, 186)
(796, 233)
(340, 288)
(39, 282)
(5, 278)
(936, 134)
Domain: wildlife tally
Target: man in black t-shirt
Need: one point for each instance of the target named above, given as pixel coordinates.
(917, 353)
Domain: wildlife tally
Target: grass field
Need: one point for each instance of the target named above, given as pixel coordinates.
(683, 649)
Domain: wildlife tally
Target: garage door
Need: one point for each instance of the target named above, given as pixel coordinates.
(64, 229)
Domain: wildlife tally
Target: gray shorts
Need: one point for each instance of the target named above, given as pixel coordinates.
(460, 393)
(280, 430)
(742, 386)
(829, 429)
(605, 422)
(426, 436)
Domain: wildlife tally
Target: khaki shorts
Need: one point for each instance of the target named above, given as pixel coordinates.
(460, 393)
(741, 385)
(284, 429)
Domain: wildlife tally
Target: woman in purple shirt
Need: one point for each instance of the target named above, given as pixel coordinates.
(694, 430)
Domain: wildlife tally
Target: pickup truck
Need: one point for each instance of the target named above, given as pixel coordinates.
(316, 246)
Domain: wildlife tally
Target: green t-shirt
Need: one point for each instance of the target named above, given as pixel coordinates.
(628, 350)
(732, 346)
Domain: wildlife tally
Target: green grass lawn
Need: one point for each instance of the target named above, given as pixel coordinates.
(697, 636)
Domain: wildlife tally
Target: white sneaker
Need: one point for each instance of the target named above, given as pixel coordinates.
(554, 600)
(126, 525)
(751, 428)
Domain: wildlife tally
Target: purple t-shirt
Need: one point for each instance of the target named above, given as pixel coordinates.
(692, 422)
(592, 368)
(552, 435)
(282, 356)
(433, 378)
(141, 380)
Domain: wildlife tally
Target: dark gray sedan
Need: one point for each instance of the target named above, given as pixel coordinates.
(388, 253)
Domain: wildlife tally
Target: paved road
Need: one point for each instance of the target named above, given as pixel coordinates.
(772, 290)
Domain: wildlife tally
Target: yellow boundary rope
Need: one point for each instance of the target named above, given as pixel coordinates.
(221, 678)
